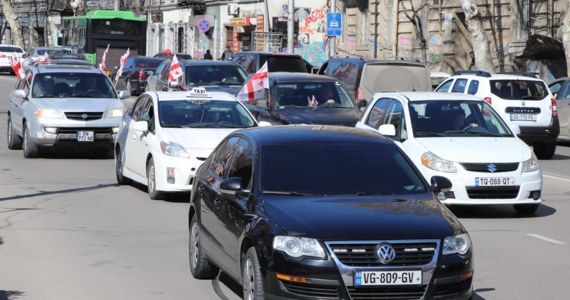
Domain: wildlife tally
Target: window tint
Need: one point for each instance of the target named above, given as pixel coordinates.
(76, 85)
(347, 73)
(146, 63)
(148, 115)
(445, 86)
(473, 87)
(292, 170)
(302, 93)
(459, 86)
(395, 115)
(11, 49)
(376, 116)
(211, 114)
(283, 63)
(519, 89)
(221, 159)
(164, 73)
(242, 164)
(138, 108)
(197, 75)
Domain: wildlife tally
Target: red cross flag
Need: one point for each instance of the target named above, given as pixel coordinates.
(43, 58)
(16, 63)
(102, 66)
(254, 89)
(175, 70)
(122, 63)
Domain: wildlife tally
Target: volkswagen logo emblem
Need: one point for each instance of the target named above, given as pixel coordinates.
(84, 116)
(386, 253)
(492, 168)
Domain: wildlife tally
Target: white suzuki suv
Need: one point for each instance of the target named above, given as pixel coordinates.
(519, 98)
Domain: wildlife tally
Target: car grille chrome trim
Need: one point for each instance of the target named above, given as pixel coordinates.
(484, 167)
(84, 116)
(364, 255)
(493, 192)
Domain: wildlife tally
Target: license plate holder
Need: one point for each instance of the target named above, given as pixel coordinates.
(85, 136)
(494, 181)
(388, 278)
(522, 117)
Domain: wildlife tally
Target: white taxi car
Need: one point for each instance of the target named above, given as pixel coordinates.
(165, 136)
(462, 138)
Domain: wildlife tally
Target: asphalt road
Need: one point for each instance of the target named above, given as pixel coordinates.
(67, 231)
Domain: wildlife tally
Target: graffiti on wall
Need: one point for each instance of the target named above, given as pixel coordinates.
(315, 52)
(311, 39)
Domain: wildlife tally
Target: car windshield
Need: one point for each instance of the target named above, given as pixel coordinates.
(302, 94)
(199, 75)
(337, 168)
(519, 89)
(456, 118)
(72, 85)
(11, 49)
(204, 114)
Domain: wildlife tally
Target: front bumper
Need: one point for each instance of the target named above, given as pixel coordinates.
(175, 174)
(50, 132)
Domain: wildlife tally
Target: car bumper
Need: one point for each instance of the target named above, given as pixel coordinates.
(175, 174)
(50, 132)
(543, 134)
(138, 85)
(450, 278)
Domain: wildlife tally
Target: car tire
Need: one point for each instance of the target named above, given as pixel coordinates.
(119, 166)
(153, 193)
(29, 148)
(200, 266)
(14, 141)
(251, 276)
(544, 150)
(526, 209)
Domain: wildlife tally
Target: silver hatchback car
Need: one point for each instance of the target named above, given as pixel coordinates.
(63, 105)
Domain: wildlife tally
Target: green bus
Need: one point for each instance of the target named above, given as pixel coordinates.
(92, 33)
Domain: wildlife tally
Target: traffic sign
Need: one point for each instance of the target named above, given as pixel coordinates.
(334, 24)
(203, 25)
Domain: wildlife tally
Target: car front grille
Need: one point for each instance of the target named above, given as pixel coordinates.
(387, 293)
(66, 134)
(490, 167)
(364, 254)
(493, 192)
(451, 288)
(309, 290)
(84, 116)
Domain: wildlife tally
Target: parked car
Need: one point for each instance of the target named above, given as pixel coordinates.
(152, 79)
(560, 89)
(463, 138)
(268, 216)
(302, 98)
(216, 76)
(520, 100)
(63, 105)
(6, 52)
(135, 72)
(252, 61)
(364, 77)
(174, 133)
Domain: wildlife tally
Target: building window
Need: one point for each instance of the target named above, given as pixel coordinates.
(365, 27)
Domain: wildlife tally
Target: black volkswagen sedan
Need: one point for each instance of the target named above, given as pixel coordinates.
(301, 98)
(325, 212)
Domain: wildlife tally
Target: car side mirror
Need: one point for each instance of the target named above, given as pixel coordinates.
(20, 94)
(124, 94)
(362, 104)
(141, 126)
(440, 184)
(230, 186)
(387, 130)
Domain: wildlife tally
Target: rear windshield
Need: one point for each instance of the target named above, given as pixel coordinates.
(325, 94)
(392, 77)
(283, 63)
(308, 168)
(11, 49)
(148, 63)
(519, 89)
(40, 52)
(214, 75)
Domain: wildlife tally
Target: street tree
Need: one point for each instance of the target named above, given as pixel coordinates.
(481, 48)
(413, 16)
(78, 7)
(12, 19)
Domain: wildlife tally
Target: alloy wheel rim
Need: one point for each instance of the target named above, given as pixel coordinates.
(194, 244)
(151, 178)
(9, 134)
(119, 165)
(249, 280)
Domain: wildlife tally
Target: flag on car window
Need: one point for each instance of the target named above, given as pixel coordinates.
(102, 65)
(122, 63)
(313, 101)
(43, 58)
(175, 70)
(16, 63)
(254, 89)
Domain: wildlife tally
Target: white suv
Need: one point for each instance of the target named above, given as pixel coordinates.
(520, 100)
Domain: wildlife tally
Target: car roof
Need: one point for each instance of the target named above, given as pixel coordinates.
(312, 133)
(430, 96)
(206, 62)
(492, 76)
(296, 76)
(182, 95)
(65, 68)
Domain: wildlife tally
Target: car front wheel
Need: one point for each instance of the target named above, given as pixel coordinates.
(14, 141)
(119, 166)
(29, 148)
(251, 276)
(200, 266)
(153, 193)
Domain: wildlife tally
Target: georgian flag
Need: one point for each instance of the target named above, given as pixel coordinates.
(175, 70)
(313, 101)
(122, 63)
(43, 58)
(102, 65)
(254, 89)
(16, 63)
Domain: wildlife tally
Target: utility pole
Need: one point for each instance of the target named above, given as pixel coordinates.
(332, 47)
(290, 26)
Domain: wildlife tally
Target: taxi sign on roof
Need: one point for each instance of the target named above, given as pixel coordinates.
(198, 92)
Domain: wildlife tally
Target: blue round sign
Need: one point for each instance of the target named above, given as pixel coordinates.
(203, 25)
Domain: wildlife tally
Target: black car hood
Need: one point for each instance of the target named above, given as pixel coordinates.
(318, 115)
(362, 217)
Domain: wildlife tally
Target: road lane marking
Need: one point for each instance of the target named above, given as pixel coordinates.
(556, 177)
(540, 237)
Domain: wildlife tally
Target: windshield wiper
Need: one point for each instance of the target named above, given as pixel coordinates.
(171, 126)
(208, 125)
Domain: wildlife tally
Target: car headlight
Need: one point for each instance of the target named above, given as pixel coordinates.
(173, 149)
(531, 164)
(113, 113)
(456, 244)
(437, 163)
(297, 247)
(47, 113)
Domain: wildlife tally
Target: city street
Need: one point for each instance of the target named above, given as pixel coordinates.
(68, 231)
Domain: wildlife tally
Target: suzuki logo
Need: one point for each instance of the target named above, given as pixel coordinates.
(492, 168)
(386, 253)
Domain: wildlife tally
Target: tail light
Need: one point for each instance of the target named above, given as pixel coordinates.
(554, 108)
(141, 74)
(359, 94)
(488, 100)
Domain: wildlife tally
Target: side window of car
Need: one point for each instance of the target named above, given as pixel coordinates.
(377, 113)
(220, 162)
(128, 64)
(444, 87)
(395, 116)
(164, 74)
(148, 115)
(459, 86)
(347, 73)
(138, 108)
(242, 164)
(473, 87)
(249, 64)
